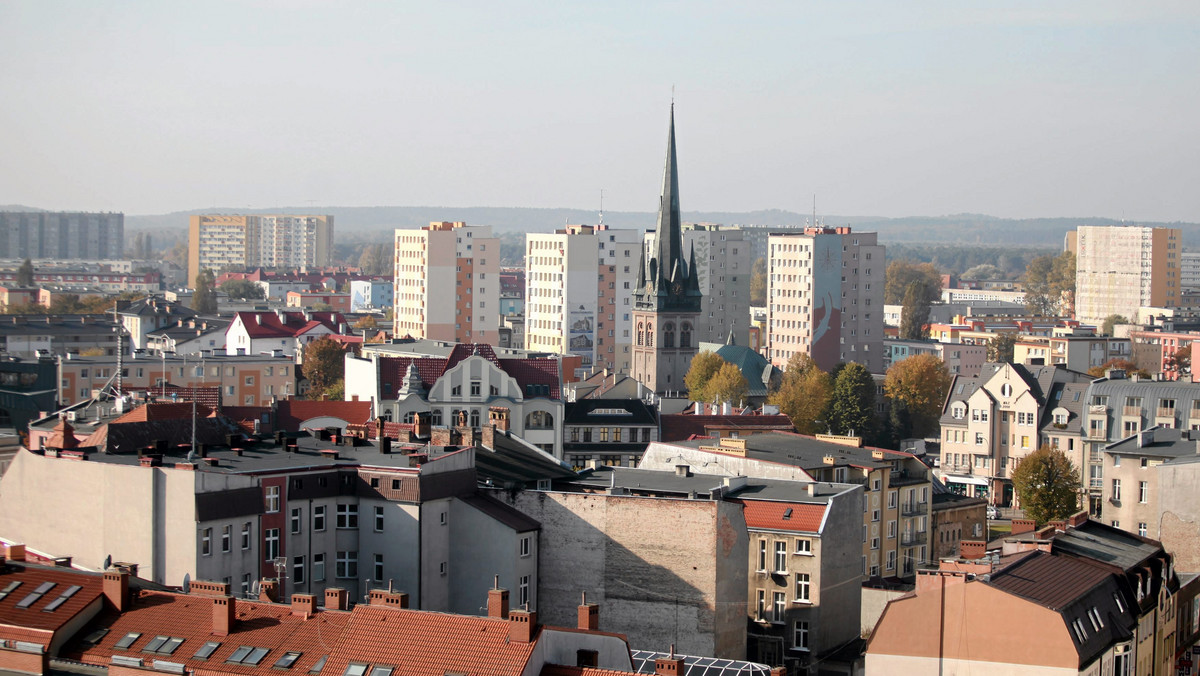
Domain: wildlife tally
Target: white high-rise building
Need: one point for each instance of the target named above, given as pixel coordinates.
(447, 283)
(220, 241)
(578, 285)
(1119, 269)
(825, 297)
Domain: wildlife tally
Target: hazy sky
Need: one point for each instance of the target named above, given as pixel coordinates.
(1015, 109)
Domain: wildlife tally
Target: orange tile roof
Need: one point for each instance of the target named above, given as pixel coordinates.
(28, 624)
(421, 643)
(292, 412)
(263, 625)
(769, 515)
(165, 411)
(562, 670)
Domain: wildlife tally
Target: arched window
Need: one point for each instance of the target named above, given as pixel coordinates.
(649, 334)
(668, 335)
(685, 335)
(408, 417)
(641, 333)
(436, 418)
(539, 420)
(474, 417)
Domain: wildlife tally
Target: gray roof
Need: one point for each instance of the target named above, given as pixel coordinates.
(802, 451)
(1163, 442)
(1105, 544)
(663, 483)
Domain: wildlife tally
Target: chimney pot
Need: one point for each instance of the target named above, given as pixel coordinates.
(116, 589)
(304, 604)
(589, 615)
(522, 625)
(335, 598)
(224, 615)
(497, 603)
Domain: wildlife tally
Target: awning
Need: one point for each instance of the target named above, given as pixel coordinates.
(964, 479)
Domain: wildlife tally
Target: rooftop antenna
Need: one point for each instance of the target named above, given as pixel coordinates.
(601, 206)
(814, 210)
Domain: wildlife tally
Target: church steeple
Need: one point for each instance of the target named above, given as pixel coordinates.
(667, 236)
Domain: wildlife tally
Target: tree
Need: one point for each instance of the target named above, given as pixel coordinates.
(983, 271)
(204, 296)
(920, 384)
(902, 273)
(25, 273)
(1181, 361)
(728, 384)
(804, 394)
(376, 259)
(1118, 363)
(242, 288)
(758, 282)
(1000, 348)
(914, 317)
(324, 366)
(852, 405)
(1047, 485)
(366, 322)
(1049, 282)
(1110, 321)
(704, 366)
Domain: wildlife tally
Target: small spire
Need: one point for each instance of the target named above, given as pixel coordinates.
(731, 340)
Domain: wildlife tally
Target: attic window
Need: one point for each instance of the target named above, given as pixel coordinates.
(382, 670)
(316, 668)
(206, 650)
(289, 658)
(127, 640)
(62, 598)
(355, 669)
(36, 594)
(12, 586)
(787, 514)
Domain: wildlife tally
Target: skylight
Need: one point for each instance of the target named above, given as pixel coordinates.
(127, 640)
(382, 670)
(787, 513)
(353, 669)
(36, 594)
(289, 658)
(256, 656)
(207, 650)
(62, 598)
(155, 643)
(316, 668)
(240, 654)
(12, 586)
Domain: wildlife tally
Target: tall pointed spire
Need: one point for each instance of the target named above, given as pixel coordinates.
(668, 237)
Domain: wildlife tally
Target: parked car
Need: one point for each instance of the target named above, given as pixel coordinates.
(993, 512)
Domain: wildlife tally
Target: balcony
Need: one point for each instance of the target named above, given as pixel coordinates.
(1132, 411)
(912, 539)
(914, 508)
(1164, 413)
(908, 477)
(1097, 434)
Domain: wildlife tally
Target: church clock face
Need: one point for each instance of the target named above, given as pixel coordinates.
(677, 289)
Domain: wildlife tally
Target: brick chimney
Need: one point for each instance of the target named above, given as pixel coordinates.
(16, 552)
(972, 549)
(116, 590)
(439, 436)
(268, 591)
(589, 615)
(383, 597)
(224, 615)
(207, 588)
(335, 598)
(1020, 526)
(497, 603)
(522, 625)
(304, 604)
(670, 666)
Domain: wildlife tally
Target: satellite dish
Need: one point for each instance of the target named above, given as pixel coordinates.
(187, 582)
(108, 562)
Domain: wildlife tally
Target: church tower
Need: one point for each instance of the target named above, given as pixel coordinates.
(667, 300)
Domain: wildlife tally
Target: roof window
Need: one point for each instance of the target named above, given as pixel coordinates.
(316, 668)
(287, 660)
(355, 669)
(62, 598)
(127, 640)
(206, 650)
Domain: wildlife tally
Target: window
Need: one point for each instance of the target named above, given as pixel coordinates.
(762, 555)
(246, 535)
(523, 592)
(287, 660)
(378, 568)
(295, 520)
(205, 651)
(226, 538)
(127, 640)
(355, 669)
(874, 543)
(1116, 489)
(271, 542)
(347, 516)
(780, 603)
(206, 542)
(802, 587)
(1142, 530)
(525, 541)
(378, 518)
(892, 499)
(347, 565)
(804, 546)
(892, 529)
(318, 517)
(298, 570)
(891, 560)
(319, 567)
(1143, 492)
(800, 636)
(272, 498)
(780, 556)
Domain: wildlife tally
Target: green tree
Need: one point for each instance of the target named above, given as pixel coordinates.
(1049, 281)
(983, 271)
(852, 405)
(1047, 485)
(902, 273)
(204, 296)
(324, 365)
(1000, 348)
(728, 384)
(700, 373)
(920, 384)
(914, 316)
(242, 288)
(25, 273)
(758, 282)
(376, 259)
(804, 394)
(1110, 321)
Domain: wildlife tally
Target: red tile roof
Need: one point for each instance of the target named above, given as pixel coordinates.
(430, 644)
(561, 670)
(172, 411)
(27, 624)
(526, 372)
(769, 515)
(293, 323)
(293, 412)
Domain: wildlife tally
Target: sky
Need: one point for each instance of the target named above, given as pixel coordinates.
(1013, 109)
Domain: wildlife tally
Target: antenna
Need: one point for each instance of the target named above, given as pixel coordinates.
(601, 206)
(814, 210)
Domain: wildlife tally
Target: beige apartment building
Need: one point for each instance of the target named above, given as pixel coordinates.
(1119, 269)
(578, 285)
(223, 241)
(825, 297)
(447, 283)
(250, 380)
